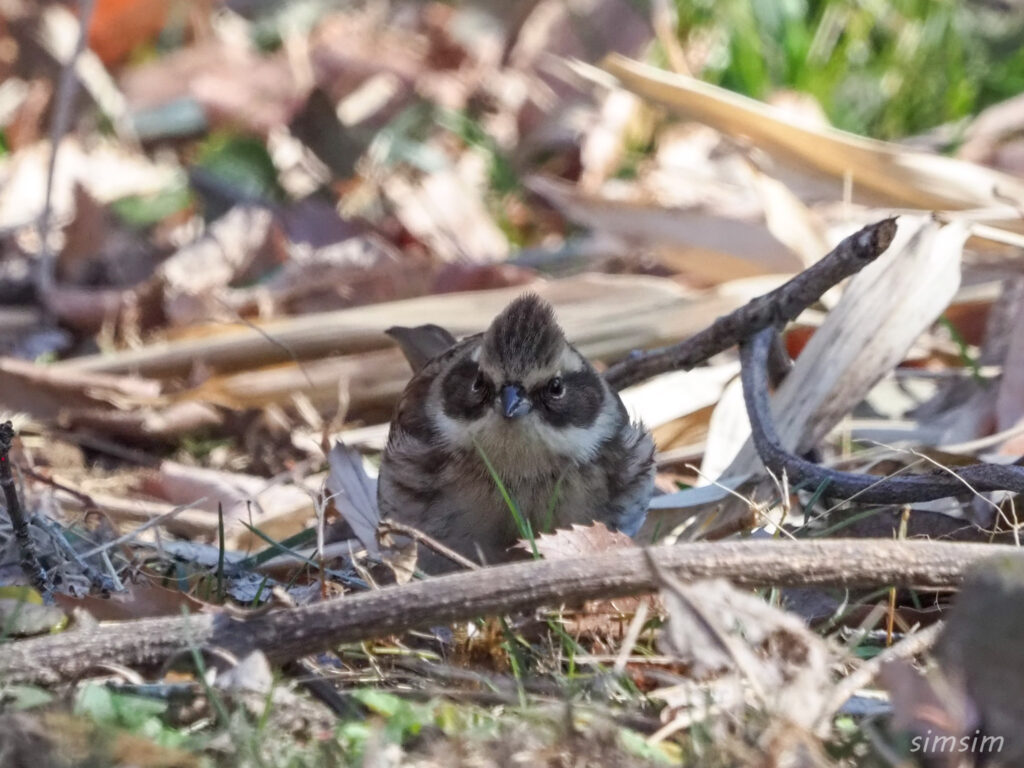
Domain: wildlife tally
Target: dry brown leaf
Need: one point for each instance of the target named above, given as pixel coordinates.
(236, 246)
(252, 674)
(598, 619)
(348, 50)
(579, 541)
(353, 272)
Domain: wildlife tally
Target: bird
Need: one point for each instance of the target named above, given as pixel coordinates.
(505, 429)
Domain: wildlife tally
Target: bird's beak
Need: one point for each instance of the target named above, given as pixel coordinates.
(514, 402)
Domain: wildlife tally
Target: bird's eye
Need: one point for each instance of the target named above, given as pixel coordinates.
(556, 387)
(479, 383)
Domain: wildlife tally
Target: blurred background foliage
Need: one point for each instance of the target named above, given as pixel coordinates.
(886, 69)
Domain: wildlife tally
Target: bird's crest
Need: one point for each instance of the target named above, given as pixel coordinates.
(524, 337)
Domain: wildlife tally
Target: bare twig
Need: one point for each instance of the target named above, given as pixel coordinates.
(295, 632)
(158, 520)
(61, 117)
(393, 526)
(868, 489)
(772, 309)
(29, 562)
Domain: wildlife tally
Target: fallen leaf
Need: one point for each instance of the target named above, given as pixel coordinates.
(715, 628)
(354, 494)
(579, 541)
(251, 674)
(118, 27)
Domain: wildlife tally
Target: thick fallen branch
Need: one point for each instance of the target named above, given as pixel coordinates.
(770, 310)
(292, 633)
(866, 489)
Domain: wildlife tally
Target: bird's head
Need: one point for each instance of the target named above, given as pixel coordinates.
(525, 390)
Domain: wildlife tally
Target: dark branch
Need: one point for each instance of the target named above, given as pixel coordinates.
(29, 562)
(783, 304)
(868, 489)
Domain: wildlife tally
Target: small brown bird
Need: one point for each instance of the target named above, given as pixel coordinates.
(523, 399)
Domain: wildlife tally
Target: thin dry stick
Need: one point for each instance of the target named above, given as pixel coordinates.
(393, 526)
(295, 632)
(869, 489)
(158, 520)
(61, 117)
(770, 310)
(30, 564)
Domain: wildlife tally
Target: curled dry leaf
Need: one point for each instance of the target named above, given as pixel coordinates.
(237, 245)
(252, 674)
(400, 554)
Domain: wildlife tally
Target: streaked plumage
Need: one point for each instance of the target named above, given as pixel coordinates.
(520, 394)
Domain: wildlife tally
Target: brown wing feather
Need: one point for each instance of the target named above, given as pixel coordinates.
(421, 344)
